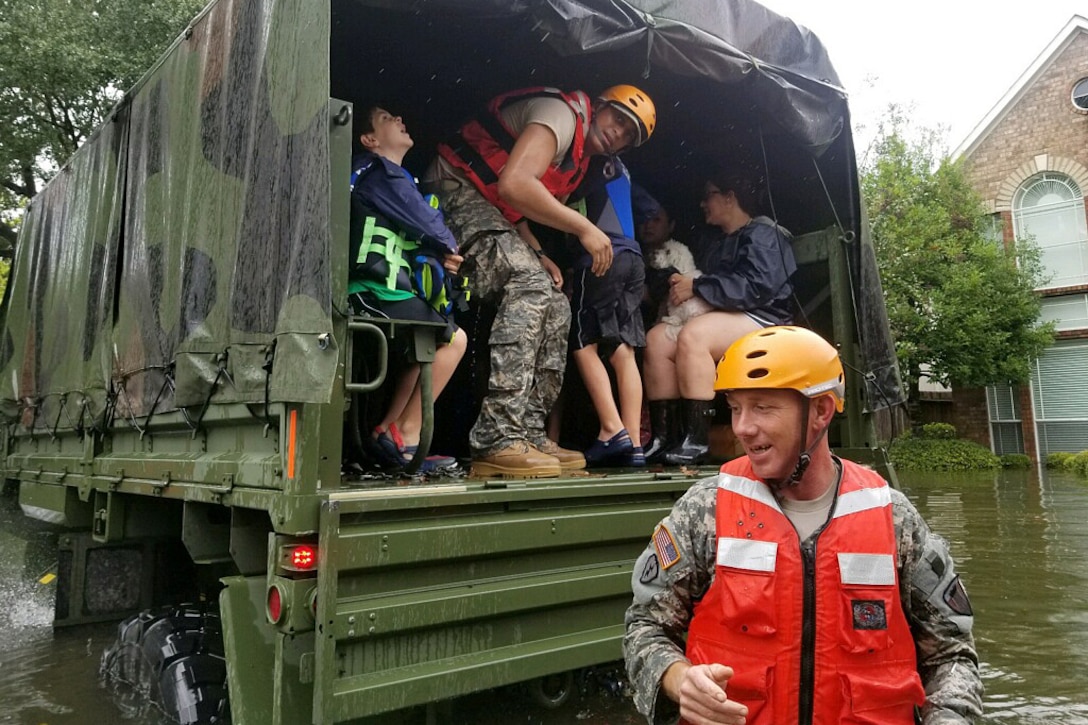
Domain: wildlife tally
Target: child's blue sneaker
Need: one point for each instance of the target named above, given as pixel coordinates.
(430, 464)
(609, 451)
(387, 447)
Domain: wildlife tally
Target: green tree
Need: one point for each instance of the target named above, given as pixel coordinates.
(5, 272)
(63, 65)
(962, 306)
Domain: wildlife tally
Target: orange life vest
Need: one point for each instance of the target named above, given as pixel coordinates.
(482, 147)
(818, 637)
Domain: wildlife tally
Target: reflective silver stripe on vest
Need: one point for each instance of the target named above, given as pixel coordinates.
(862, 500)
(748, 488)
(867, 569)
(747, 554)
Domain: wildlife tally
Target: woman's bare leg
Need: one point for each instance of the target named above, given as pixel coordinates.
(702, 342)
(659, 365)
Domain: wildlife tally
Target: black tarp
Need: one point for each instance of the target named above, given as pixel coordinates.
(786, 69)
(731, 42)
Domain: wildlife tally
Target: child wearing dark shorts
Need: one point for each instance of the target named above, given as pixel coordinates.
(605, 315)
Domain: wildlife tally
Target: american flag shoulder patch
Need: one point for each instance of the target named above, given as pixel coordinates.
(667, 553)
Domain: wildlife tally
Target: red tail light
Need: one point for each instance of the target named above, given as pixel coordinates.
(274, 604)
(298, 557)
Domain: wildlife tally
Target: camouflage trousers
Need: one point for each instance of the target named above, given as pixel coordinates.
(529, 335)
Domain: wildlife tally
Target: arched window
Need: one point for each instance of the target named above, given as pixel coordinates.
(1049, 209)
(1080, 95)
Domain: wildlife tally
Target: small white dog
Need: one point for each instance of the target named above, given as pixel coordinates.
(674, 254)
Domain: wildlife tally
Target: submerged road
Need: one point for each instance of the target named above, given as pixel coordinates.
(1019, 537)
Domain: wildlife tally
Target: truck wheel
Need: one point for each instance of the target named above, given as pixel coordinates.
(171, 658)
(552, 691)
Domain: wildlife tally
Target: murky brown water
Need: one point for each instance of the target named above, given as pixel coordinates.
(1021, 543)
(1020, 539)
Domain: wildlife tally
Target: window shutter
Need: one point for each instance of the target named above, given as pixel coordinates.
(1002, 402)
(1060, 391)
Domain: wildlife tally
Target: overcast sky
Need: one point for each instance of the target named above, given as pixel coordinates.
(952, 59)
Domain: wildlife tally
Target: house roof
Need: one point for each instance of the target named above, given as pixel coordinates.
(1042, 62)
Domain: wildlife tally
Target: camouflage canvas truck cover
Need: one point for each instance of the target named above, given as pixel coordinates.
(175, 376)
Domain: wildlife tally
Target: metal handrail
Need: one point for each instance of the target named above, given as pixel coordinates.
(383, 357)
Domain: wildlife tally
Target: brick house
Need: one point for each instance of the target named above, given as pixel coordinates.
(1028, 158)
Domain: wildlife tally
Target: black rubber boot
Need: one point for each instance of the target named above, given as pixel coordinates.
(695, 416)
(664, 427)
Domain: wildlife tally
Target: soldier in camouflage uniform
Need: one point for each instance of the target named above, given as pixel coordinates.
(515, 163)
(756, 566)
(532, 303)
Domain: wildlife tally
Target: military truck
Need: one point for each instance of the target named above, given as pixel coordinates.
(183, 383)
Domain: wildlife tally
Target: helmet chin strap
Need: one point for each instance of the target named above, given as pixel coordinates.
(805, 458)
(610, 167)
(802, 462)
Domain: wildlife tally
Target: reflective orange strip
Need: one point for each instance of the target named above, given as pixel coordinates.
(291, 431)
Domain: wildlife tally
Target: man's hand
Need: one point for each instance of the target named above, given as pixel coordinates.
(599, 247)
(553, 271)
(700, 691)
(452, 263)
(526, 233)
(680, 289)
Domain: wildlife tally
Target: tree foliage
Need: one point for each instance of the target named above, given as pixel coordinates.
(63, 66)
(962, 306)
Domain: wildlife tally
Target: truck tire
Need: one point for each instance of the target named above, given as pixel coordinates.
(171, 658)
(552, 692)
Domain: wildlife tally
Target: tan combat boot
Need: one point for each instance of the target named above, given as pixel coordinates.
(517, 460)
(568, 460)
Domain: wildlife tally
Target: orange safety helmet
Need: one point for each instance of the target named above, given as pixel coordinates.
(636, 105)
(783, 357)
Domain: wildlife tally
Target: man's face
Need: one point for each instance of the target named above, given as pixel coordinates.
(767, 423)
(612, 131)
(656, 230)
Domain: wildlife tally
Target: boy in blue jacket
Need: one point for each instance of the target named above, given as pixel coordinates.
(401, 254)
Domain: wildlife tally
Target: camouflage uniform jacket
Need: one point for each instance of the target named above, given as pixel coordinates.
(933, 599)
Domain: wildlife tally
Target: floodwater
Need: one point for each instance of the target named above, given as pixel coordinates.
(1020, 539)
